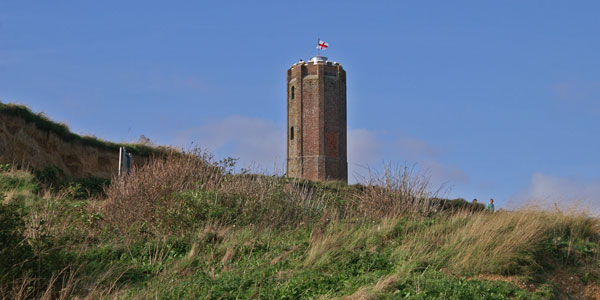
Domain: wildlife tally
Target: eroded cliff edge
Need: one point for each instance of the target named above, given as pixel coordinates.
(32, 140)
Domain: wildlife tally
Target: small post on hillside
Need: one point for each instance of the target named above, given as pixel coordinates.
(129, 162)
(121, 159)
(125, 161)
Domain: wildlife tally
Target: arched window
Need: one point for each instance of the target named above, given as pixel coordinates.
(292, 133)
(293, 93)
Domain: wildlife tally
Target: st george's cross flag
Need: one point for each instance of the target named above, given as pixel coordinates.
(322, 45)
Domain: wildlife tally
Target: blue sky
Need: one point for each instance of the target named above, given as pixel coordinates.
(493, 98)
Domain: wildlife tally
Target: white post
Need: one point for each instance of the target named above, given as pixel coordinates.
(121, 150)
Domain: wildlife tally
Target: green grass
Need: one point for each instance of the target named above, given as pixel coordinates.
(19, 182)
(438, 285)
(251, 272)
(259, 237)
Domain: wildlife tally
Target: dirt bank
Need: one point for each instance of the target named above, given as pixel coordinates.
(32, 141)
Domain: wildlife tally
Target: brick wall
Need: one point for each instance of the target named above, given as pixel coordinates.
(316, 108)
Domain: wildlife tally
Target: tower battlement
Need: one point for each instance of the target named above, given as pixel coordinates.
(316, 114)
(317, 60)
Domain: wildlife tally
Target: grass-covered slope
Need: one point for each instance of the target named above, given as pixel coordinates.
(61, 130)
(183, 227)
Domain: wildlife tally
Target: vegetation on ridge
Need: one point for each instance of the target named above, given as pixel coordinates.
(62, 130)
(185, 227)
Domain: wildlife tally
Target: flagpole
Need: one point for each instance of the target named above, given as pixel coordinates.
(318, 50)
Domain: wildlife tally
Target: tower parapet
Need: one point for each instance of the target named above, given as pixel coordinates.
(316, 114)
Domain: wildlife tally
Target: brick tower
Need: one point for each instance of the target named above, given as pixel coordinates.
(316, 117)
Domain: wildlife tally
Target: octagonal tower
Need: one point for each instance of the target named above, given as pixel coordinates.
(316, 120)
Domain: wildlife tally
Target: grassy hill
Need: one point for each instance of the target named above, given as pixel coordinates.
(33, 140)
(184, 227)
(43, 123)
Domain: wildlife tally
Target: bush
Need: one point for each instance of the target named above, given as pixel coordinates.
(84, 188)
(178, 191)
(47, 175)
(397, 192)
(18, 187)
(139, 198)
(16, 255)
(5, 168)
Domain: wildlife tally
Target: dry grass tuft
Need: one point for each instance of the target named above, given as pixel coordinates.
(229, 255)
(363, 293)
(327, 244)
(136, 198)
(501, 243)
(283, 255)
(399, 191)
(384, 283)
(180, 191)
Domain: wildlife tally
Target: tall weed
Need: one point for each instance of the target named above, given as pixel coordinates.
(501, 243)
(396, 192)
(136, 198)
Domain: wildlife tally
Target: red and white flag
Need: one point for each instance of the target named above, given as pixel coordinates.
(322, 45)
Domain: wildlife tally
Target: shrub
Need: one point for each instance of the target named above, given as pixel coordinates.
(181, 190)
(87, 187)
(48, 175)
(397, 192)
(16, 254)
(139, 198)
(5, 168)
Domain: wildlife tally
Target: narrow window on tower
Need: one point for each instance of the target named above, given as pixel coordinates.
(292, 133)
(292, 93)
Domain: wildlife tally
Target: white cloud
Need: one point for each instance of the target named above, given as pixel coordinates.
(427, 158)
(413, 149)
(256, 142)
(261, 144)
(368, 151)
(363, 146)
(444, 174)
(566, 193)
(364, 151)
